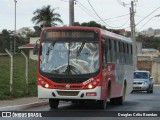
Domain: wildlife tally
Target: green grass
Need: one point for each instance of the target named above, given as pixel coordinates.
(19, 86)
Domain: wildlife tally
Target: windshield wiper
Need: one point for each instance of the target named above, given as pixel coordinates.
(49, 48)
(80, 49)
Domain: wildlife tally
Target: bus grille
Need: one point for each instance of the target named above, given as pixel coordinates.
(68, 93)
(64, 87)
(68, 80)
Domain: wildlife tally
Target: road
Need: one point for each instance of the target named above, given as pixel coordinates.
(137, 102)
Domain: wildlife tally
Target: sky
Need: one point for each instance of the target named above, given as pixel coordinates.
(111, 13)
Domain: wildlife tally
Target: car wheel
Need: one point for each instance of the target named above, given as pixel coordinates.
(151, 91)
(53, 103)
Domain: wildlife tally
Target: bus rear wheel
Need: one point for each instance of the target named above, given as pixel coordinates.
(54, 103)
(113, 101)
(122, 98)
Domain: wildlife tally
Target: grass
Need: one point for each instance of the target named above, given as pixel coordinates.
(19, 86)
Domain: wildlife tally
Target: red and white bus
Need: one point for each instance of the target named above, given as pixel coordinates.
(84, 64)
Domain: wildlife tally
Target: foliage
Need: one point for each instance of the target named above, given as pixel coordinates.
(149, 42)
(5, 32)
(90, 24)
(94, 24)
(19, 86)
(46, 17)
(7, 39)
(37, 31)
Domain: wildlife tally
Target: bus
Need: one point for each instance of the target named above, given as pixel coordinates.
(84, 64)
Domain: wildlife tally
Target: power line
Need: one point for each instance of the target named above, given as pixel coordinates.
(86, 10)
(145, 23)
(65, 0)
(106, 19)
(115, 17)
(92, 15)
(146, 18)
(122, 3)
(147, 15)
(98, 15)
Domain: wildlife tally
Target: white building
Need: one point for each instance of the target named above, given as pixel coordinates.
(151, 32)
(30, 47)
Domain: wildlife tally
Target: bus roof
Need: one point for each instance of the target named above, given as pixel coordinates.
(109, 34)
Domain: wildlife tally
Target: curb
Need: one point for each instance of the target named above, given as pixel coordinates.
(24, 106)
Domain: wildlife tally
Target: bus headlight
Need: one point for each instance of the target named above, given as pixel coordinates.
(43, 83)
(90, 86)
(46, 85)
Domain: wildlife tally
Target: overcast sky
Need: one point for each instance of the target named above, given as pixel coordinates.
(112, 12)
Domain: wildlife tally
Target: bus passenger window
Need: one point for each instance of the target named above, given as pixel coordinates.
(104, 55)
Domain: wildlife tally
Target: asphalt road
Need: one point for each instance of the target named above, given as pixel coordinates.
(138, 102)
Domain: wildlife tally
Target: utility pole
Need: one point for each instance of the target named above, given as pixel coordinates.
(133, 35)
(15, 29)
(71, 12)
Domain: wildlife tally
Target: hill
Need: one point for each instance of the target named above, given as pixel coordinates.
(149, 42)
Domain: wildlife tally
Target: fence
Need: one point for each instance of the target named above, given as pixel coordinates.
(18, 86)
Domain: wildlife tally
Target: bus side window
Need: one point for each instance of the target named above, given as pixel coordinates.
(124, 53)
(121, 52)
(127, 54)
(117, 52)
(108, 47)
(113, 51)
(104, 54)
(131, 55)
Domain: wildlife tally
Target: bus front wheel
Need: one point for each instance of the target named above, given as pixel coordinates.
(53, 103)
(102, 104)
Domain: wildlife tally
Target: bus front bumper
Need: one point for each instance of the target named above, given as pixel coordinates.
(90, 94)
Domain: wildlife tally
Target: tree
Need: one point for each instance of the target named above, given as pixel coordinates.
(46, 17)
(5, 32)
(93, 24)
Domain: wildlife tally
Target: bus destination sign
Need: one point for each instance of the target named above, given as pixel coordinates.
(69, 34)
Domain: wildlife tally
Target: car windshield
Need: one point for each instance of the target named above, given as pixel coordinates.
(69, 58)
(140, 75)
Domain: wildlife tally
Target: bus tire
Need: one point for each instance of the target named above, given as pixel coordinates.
(112, 101)
(122, 98)
(54, 103)
(102, 104)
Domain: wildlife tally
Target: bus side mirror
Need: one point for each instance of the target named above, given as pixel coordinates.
(35, 49)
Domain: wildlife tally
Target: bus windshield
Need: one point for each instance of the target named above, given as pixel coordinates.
(69, 57)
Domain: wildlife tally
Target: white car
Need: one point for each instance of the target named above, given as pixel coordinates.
(142, 81)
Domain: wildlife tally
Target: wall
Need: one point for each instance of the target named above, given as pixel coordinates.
(33, 41)
(156, 72)
(153, 67)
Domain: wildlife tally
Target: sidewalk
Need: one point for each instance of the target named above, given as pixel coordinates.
(21, 103)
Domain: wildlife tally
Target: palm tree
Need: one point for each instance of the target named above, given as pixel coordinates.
(46, 17)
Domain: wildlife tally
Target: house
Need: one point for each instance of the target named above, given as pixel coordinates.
(151, 32)
(30, 47)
